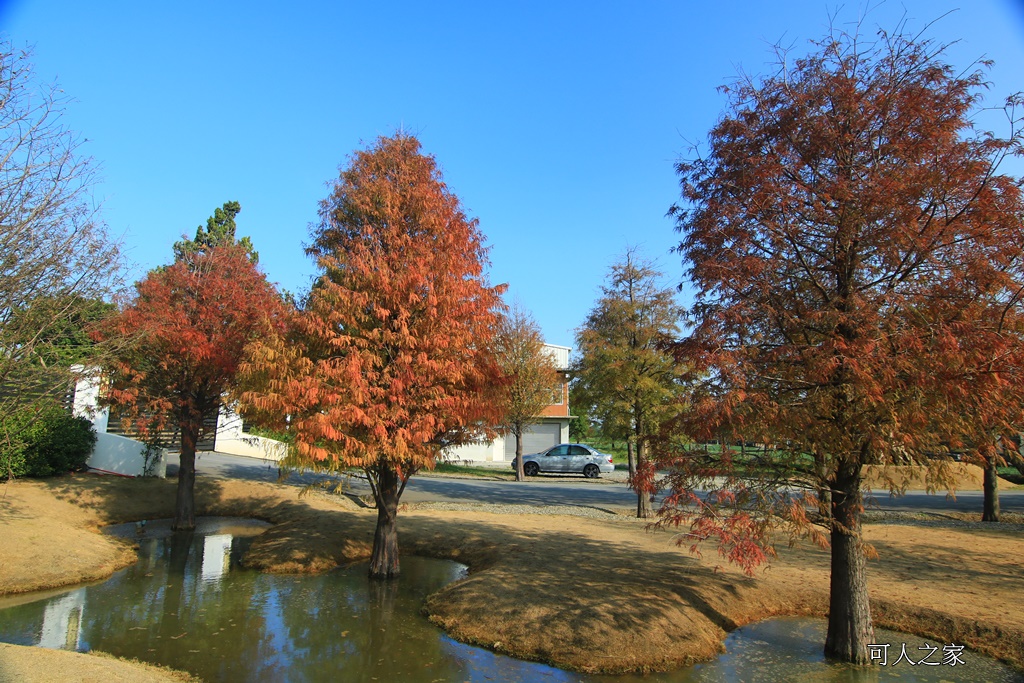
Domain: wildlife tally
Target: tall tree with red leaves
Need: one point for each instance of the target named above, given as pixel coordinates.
(388, 363)
(858, 264)
(190, 323)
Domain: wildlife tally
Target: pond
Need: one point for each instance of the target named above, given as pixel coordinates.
(188, 604)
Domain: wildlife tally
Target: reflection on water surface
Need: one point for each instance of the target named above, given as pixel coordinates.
(188, 604)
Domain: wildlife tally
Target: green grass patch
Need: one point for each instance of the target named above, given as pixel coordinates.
(616, 449)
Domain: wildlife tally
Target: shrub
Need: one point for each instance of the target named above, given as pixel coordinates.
(43, 440)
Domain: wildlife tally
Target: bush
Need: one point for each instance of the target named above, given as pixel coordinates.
(43, 440)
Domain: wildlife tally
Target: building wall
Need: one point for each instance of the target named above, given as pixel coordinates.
(560, 355)
(112, 453)
(232, 440)
(502, 448)
(559, 409)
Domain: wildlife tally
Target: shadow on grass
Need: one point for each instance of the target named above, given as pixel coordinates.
(950, 564)
(10, 508)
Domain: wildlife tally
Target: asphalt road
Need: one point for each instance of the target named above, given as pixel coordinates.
(555, 489)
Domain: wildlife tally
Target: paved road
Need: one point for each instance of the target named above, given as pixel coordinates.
(556, 490)
(542, 490)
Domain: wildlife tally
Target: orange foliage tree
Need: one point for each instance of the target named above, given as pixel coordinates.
(387, 363)
(188, 324)
(857, 258)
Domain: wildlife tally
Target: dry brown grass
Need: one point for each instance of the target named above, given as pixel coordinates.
(38, 665)
(964, 477)
(579, 593)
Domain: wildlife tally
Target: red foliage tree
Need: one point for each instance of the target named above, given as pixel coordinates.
(190, 323)
(858, 264)
(985, 374)
(387, 363)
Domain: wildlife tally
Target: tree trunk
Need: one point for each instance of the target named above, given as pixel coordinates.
(630, 458)
(185, 505)
(387, 491)
(991, 505)
(519, 456)
(643, 492)
(849, 618)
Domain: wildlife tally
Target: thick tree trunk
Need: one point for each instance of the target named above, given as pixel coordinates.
(185, 505)
(991, 505)
(849, 619)
(630, 458)
(643, 494)
(519, 456)
(387, 491)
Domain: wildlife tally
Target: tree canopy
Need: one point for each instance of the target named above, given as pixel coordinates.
(852, 244)
(220, 229)
(388, 361)
(189, 324)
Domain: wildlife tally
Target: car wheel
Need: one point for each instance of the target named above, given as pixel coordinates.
(591, 471)
(531, 469)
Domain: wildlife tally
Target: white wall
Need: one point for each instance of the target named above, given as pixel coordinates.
(482, 450)
(120, 455)
(87, 399)
(233, 441)
(253, 447)
(559, 354)
(112, 453)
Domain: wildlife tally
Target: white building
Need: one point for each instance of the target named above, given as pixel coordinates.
(552, 429)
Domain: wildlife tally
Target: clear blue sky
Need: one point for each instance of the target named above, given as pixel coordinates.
(557, 123)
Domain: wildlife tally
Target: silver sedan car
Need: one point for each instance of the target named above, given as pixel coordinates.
(567, 457)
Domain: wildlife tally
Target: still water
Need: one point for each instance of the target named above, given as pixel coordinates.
(188, 604)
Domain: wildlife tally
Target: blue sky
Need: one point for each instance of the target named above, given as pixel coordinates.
(557, 124)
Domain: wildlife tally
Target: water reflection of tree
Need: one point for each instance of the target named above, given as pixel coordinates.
(170, 625)
(343, 625)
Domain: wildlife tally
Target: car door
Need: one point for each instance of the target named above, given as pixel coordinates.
(579, 457)
(556, 459)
